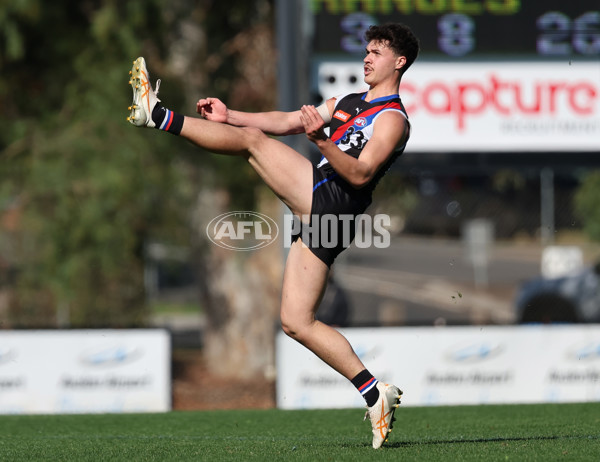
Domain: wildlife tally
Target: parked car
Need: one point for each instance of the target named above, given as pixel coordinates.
(569, 299)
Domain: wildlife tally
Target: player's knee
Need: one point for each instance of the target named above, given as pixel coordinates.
(288, 330)
(254, 137)
(294, 327)
(289, 326)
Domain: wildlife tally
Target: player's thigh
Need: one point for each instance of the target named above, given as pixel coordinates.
(304, 282)
(284, 170)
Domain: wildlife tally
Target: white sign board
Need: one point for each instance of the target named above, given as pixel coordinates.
(452, 366)
(490, 106)
(85, 371)
(558, 261)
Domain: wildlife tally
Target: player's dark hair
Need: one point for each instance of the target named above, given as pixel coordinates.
(399, 38)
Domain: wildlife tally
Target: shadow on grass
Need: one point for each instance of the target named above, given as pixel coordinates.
(404, 444)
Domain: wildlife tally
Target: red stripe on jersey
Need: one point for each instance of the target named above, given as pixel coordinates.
(337, 135)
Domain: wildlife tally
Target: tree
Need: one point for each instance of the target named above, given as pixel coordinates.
(90, 192)
(241, 290)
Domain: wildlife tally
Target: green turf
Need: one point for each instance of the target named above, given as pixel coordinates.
(477, 433)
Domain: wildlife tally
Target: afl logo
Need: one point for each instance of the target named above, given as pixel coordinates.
(360, 122)
(242, 230)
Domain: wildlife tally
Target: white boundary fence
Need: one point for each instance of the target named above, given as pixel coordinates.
(85, 371)
(452, 366)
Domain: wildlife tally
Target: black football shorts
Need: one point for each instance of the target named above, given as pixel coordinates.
(335, 206)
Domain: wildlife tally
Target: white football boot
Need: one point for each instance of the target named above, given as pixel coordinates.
(381, 413)
(144, 98)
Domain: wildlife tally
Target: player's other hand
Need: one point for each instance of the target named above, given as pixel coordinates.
(212, 109)
(313, 123)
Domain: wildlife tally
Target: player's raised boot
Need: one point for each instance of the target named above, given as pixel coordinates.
(381, 414)
(144, 97)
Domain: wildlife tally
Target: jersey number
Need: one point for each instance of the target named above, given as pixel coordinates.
(355, 141)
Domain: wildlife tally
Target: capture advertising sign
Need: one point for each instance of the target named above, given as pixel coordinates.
(452, 366)
(491, 106)
(84, 371)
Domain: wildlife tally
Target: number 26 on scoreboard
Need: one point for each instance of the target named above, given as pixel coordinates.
(562, 36)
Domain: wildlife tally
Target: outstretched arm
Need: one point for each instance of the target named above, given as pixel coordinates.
(273, 123)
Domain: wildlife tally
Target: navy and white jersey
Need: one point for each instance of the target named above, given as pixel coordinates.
(352, 123)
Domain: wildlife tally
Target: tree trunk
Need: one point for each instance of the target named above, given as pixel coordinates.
(242, 291)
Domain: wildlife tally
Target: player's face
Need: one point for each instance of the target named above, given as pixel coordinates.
(380, 62)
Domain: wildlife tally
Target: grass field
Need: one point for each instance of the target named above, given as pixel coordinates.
(477, 433)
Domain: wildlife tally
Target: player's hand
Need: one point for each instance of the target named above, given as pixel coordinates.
(313, 124)
(212, 109)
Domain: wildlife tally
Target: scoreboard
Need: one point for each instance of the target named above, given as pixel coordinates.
(466, 29)
(492, 75)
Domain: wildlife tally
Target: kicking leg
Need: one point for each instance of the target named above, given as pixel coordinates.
(284, 170)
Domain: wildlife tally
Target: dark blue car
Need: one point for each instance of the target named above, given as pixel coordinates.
(568, 299)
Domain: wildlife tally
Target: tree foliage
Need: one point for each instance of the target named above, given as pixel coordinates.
(586, 204)
(89, 189)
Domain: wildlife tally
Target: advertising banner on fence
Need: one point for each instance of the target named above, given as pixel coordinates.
(452, 366)
(491, 106)
(85, 371)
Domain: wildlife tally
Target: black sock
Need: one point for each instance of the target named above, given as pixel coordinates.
(365, 383)
(167, 120)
